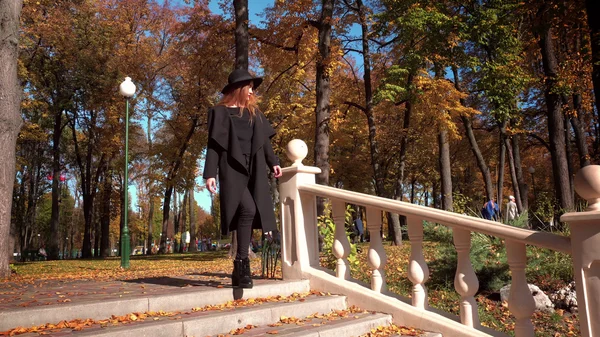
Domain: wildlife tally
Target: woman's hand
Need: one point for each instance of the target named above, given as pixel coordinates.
(211, 185)
(277, 171)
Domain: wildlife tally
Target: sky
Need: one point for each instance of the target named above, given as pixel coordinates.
(255, 7)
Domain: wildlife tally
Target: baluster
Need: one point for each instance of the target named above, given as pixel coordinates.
(465, 280)
(341, 245)
(376, 256)
(418, 272)
(520, 300)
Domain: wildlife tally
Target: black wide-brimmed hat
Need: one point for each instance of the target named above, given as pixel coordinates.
(238, 76)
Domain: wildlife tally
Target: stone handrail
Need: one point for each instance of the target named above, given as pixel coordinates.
(300, 255)
(531, 237)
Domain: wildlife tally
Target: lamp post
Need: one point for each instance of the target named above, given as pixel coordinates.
(127, 89)
(532, 171)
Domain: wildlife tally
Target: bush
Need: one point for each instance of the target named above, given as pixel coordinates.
(327, 232)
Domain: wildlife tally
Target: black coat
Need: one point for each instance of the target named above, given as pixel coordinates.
(224, 152)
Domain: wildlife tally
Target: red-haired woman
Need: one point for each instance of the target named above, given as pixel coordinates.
(239, 148)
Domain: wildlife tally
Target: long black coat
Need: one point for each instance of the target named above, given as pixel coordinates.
(224, 152)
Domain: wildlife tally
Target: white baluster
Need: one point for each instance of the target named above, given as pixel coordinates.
(341, 245)
(299, 232)
(520, 300)
(418, 272)
(465, 280)
(376, 257)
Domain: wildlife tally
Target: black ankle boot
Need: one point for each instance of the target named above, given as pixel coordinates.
(245, 274)
(235, 276)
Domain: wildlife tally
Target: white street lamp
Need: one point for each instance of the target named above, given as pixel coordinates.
(127, 89)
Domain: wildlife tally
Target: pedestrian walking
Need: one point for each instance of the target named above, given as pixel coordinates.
(512, 211)
(239, 148)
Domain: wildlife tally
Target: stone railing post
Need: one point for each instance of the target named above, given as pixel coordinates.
(465, 280)
(585, 250)
(376, 256)
(520, 300)
(418, 272)
(341, 245)
(299, 232)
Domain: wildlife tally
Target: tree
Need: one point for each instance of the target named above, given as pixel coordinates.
(556, 125)
(10, 121)
(594, 26)
(241, 33)
(323, 88)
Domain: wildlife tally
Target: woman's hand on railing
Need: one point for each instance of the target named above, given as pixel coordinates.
(211, 185)
(277, 171)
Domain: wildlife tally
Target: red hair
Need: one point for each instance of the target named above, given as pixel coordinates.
(238, 96)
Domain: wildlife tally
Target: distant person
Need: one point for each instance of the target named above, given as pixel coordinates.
(490, 210)
(511, 210)
(359, 229)
(42, 253)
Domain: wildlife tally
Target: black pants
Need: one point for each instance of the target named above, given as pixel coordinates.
(244, 217)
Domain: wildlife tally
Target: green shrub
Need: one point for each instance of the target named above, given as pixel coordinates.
(436, 233)
(327, 232)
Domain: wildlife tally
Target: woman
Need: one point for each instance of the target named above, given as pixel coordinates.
(239, 146)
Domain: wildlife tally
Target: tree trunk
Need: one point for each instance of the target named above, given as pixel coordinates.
(165, 221)
(105, 217)
(523, 187)
(149, 237)
(176, 215)
(445, 170)
(556, 133)
(97, 231)
(501, 163)
(52, 247)
(323, 88)
(481, 164)
(593, 6)
(569, 154)
(183, 220)
(579, 132)
(397, 220)
(368, 108)
(89, 181)
(513, 175)
(192, 207)
(170, 181)
(241, 33)
(435, 195)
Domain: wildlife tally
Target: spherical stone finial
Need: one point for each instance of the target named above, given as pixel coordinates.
(587, 185)
(297, 151)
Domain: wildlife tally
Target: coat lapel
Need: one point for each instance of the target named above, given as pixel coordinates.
(224, 134)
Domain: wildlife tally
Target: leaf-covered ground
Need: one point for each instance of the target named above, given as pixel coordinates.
(109, 269)
(441, 293)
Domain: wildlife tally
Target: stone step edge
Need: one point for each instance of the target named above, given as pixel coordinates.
(208, 325)
(103, 309)
(352, 325)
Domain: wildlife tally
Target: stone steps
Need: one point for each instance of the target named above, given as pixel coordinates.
(270, 308)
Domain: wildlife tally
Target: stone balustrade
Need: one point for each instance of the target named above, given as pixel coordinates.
(300, 255)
